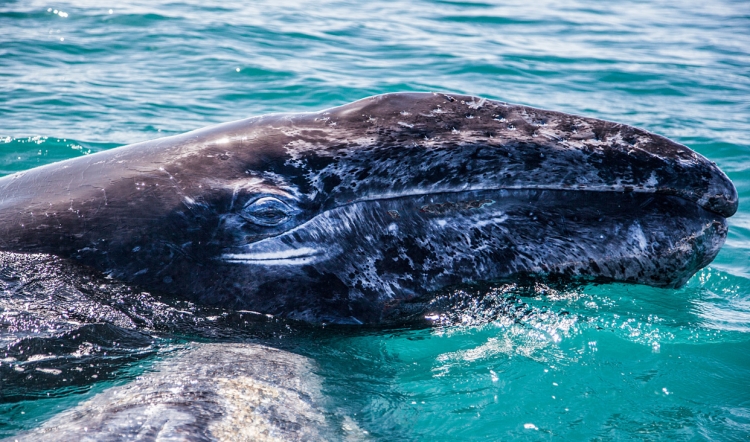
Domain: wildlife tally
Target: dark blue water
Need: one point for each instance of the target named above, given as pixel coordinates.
(610, 362)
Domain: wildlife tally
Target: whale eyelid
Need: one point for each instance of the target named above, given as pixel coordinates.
(267, 201)
(267, 211)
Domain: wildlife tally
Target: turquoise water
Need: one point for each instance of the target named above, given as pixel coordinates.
(608, 362)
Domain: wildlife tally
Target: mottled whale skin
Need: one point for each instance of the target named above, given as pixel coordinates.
(360, 213)
(210, 392)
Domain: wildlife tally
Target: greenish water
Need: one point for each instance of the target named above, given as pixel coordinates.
(609, 362)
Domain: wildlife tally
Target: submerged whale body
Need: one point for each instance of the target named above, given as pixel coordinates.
(236, 392)
(360, 213)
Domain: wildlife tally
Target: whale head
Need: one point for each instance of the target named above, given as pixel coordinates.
(363, 212)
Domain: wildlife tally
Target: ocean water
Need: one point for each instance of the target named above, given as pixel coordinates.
(600, 362)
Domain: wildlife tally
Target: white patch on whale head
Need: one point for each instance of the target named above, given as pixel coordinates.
(300, 256)
(635, 233)
(501, 218)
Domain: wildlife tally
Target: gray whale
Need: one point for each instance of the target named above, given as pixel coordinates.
(360, 213)
(211, 392)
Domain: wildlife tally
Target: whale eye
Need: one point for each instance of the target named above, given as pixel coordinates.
(267, 211)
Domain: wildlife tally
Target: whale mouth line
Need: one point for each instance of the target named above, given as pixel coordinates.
(724, 205)
(301, 256)
(276, 253)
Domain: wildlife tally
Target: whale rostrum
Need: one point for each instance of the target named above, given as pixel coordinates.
(361, 213)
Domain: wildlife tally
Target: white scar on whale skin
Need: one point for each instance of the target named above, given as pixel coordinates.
(301, 256)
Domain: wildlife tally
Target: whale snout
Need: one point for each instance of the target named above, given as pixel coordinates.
(699, 181)
(721, 197)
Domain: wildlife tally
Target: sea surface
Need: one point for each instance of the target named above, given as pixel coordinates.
(600, 362)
